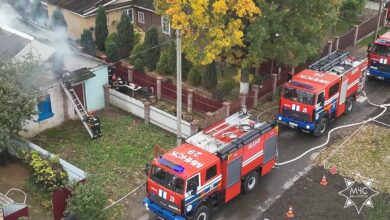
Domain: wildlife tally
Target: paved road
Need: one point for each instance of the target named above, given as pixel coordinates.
(292, 143)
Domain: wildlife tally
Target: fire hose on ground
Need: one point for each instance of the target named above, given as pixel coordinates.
(384, 106)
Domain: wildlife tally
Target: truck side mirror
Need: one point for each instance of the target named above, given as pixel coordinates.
(147, 168)
(369, 48)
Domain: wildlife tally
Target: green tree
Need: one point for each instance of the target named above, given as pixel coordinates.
(112, 38)
(57, 20)
(195, 76)
(113, 52)
(87, 42)
(352, 8)
(285, 34)
(136, 53)
(87, 200)
(38, 13)
(101, 29)
(167, 62)
(152, 50)
(209, 78)
(139, 65)
(18, 92)
(125, 35)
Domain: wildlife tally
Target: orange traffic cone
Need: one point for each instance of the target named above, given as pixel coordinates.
(323, 181)
(333, 170)
(290, 213)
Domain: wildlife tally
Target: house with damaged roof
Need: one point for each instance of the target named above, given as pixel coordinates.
(80, 15)
(86, 76)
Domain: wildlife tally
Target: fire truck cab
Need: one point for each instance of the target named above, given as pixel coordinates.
(211, 168)
(326, 89)
(379, 57)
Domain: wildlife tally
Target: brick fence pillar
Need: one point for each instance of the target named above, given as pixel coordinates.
(147, 112)
(129, 75)
(159, 87)
(330, 45)
(106, 89)
(337, 42)
(209, 118)
(356, 31)
(194, 126)
(255, 89)
(243, 98)
(227, 107)
(274, 83)
(189, 100)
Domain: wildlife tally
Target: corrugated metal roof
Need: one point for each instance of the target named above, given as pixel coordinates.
(11, 44)
(4, 200)
(38, 50)
(13, 208)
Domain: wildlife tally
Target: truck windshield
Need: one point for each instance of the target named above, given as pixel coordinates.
(381, 50)
(167, 180)
(297, 95)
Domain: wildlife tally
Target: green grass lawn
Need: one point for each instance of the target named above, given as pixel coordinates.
(117, 158)
(367, 154)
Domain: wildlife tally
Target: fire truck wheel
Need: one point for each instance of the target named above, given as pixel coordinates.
(202, 213)
(250, 182)
(349, 105)
(321, 127)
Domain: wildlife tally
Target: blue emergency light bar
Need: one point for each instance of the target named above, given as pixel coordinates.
(175, 167)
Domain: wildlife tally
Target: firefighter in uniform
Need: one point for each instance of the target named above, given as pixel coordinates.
(121, 85)
(94, 124)
(115, 82)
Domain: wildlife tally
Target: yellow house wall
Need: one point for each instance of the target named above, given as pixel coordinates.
(77, 24)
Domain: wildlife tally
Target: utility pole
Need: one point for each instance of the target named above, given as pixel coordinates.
(379, 18)
(178, 86)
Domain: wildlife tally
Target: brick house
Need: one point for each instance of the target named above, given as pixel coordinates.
(80, 15)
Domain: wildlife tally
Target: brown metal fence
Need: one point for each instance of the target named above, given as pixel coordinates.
(347, 40)
(203, 104)
(367, 27)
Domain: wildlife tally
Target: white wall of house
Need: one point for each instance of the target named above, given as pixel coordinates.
(57, 97)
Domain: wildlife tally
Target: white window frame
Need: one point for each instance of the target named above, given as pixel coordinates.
(142, 21)
(162, 25)
(126, 11)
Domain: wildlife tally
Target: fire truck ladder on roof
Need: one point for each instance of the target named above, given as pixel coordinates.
(81, 112)
(235, 120)
(328, 62)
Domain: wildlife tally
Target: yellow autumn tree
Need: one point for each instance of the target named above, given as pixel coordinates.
(210, 28)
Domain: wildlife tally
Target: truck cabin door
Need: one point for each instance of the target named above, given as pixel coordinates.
(233, 182)
(192, 185)
(320, 99)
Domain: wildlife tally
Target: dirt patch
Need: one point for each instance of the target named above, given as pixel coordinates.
(310, 200)
(15, 175)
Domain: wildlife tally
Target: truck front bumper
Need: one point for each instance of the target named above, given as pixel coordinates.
(378, 74)
(160, 211)
(308, 126)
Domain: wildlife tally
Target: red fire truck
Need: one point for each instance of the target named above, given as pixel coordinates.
(379, 57)
(211, 168)
(326, 89)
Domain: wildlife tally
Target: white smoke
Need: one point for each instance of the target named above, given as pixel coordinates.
(56, 38)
